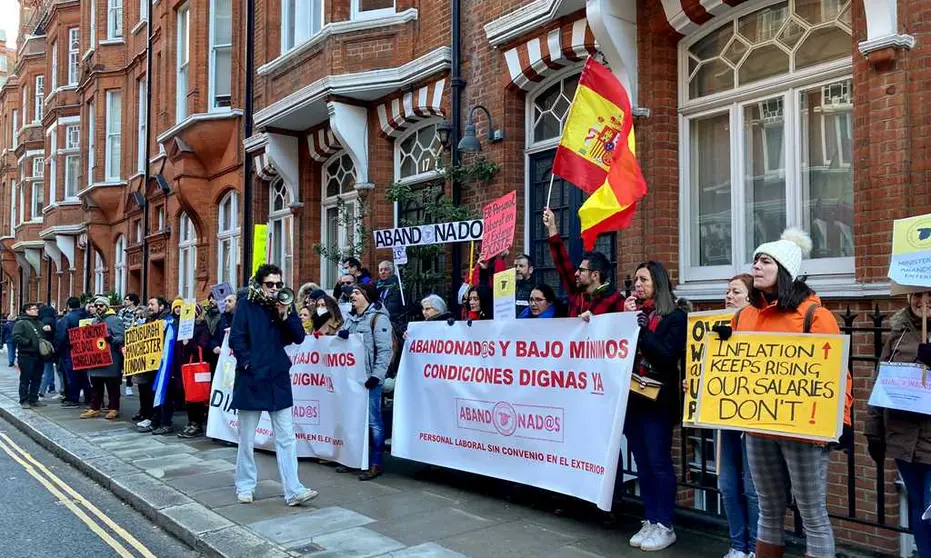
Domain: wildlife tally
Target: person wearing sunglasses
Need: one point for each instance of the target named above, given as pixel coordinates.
(107, 377)
(262, 328)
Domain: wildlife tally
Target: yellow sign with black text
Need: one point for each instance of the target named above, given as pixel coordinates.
(144, 346)
(775, 383)
(699, 327)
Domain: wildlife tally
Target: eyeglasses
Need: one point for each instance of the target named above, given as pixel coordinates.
(581, 269)
(346, 283)
(537, 299)
(273, 284)
(100, 306)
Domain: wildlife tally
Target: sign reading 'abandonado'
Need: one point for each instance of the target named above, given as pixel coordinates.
(437, 233)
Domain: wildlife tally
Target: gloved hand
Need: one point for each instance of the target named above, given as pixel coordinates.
(343, 334)
(371, 382)
(877, 449)
(724, 331)
(846, 439)
(451, 321)
(642, 320)
(924, 353)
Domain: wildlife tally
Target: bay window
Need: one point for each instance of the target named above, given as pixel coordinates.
(280, 223)
(187, 256)
(141, 134)
(100, 273)
(52, 167)
(300, 20)
(228, 234)
(14, 195)
(183, 63)
(114, 19)
(40, 98)
(14, 133)
(767, 139)
(340, 223)
(93, 23)
(114, 145)
(74, 46)
(371, 8)
(91, 143)
(221, 48)
(54, 79)
(25, 104)
(119, 267)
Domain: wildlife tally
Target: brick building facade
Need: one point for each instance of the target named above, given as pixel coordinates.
(751, 116)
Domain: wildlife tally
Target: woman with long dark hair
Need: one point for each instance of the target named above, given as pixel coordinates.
(781, 302)
(479, 303)
(542, 303)
(649, 422)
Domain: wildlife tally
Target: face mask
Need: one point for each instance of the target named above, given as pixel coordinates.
(344, 271)
(322, 312)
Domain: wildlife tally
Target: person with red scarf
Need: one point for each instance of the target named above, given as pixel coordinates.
(479, 303)
(649, 422)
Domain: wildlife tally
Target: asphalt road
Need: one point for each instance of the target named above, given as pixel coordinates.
(68, 516)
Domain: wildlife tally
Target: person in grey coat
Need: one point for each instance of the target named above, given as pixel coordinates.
(370, 320)
(107, 377)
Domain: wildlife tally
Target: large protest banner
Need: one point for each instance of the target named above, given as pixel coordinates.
(699, 327)
(500, 217)
(541, 405)
(776, 383)
(330, 409)
(144, 346)
(89, 347)
(437, 233)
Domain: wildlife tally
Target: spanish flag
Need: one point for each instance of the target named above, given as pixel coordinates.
(596, 153)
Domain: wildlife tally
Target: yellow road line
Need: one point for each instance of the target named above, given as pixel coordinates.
(97, 529)
(145, 552)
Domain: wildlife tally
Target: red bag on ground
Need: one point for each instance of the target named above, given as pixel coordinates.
(197, 381)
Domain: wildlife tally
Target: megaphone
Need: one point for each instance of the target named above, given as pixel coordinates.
(285, 297)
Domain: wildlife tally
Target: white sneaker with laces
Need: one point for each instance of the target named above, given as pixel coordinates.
(244, 497)
(144, 424)
(305, 496)
(660, 537)
(642, 534)
(732, 553)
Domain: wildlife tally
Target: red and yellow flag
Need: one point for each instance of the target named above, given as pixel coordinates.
(596, 153)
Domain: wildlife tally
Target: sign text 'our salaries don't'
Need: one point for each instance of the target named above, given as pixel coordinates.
(437, 233)
(775, 383)
(542, 406)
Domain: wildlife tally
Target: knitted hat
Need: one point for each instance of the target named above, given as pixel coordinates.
(176, 303)
(788, 251)
(368, 291)
(317, 294)
(102, 300)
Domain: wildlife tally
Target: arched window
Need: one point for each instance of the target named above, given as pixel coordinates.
(547, 109)
(280, 234)
(340, 219)
(100, 273)
(767, 137)
(187, 256)
(119, 267)
(228, 233)
(417, 154)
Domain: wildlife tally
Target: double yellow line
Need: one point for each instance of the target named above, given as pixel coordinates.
(72, 500)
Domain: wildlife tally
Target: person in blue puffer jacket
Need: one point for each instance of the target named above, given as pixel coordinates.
(542, 303)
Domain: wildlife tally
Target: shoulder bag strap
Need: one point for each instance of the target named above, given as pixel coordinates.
(810, 317)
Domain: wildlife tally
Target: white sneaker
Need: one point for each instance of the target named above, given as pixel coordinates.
(642, 534)
(660, 538)
(737, 554)
(144, 423)
(129, 391)
(58, 397)
(244, 497)
(305, 496)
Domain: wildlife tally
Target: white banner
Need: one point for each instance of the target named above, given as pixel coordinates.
(541, 405)
(437, 233)
(330, 401)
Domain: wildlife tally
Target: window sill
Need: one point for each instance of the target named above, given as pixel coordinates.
(139, 26)
(826, 287)
(49, 208)
(87, 54)
(70, 201)
(337, 28)
(113, 41)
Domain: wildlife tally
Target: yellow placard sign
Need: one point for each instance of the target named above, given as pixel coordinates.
(144, 347)
(505, 294)
(259, 246)
(85, 322)
(775, 383)
(699, 327)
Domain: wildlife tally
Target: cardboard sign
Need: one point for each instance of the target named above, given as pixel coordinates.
(186, 326)
(500, 218)
(699, 327)
(144, 346)
(437, 233)
(505, 294)
(89, 347)
(910, 264)
(793, 384)
(899, 386)
(220, 291)
(400, 255)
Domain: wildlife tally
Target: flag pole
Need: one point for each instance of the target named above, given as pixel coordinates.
(550, 193)
(924, 333)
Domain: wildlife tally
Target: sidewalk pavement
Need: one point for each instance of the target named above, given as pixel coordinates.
(186, 487)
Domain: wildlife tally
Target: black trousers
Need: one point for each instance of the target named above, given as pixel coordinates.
(146, 400)
(31, 368)
(174, 395)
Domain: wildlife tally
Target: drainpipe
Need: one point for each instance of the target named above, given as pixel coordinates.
(148, 175)
(247, 209)
(456, 86)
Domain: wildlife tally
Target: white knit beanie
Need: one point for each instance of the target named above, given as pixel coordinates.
(792, 246)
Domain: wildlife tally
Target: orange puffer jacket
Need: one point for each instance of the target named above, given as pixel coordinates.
(770, 319)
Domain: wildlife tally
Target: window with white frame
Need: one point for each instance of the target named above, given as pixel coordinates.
(182, 62)
(93, 23)
(100, 273)
(137, 228)
(300, 20)
(37, 200)
(3, 63)
(143, 10)
(141, 135)
(14, 139)
(767, 127)
(114, 143)
(187, 256)
(228, 234)
(418, 154)
(160, 218)
(14, 195)
(38, 167)
(52, 167)
(371, 8)
(22, 202)
(221, 49)
(74, 54)
(119, 266)
(40, 97)
(339, 222)
(280, 225)
(54, 78)
(91, 143)
(25, 104)
(114, 19)
(72, 161)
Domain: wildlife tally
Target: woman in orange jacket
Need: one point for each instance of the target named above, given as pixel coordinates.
(781, 301)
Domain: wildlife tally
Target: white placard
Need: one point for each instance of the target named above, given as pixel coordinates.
(542, 406)
(437, 233)
(898, 386)
(400, 255)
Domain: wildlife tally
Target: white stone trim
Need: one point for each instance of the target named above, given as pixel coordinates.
(527, 18)
(194, 119)
(895, 41)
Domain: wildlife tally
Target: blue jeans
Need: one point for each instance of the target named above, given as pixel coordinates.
(737, 491)
(285, 452)
(649, 437)
(11, 351)
(376, 427)
(48, 378)
(917, 479)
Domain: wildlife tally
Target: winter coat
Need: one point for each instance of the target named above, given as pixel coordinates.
(26, 335)
(115, 333)
(263, 369)
(907, 435)
(8, 331)
(331, 327)
(377, 336)
(522, 295)
(389, 293)
(127, 315)
(605, 300)
(185, 352)
(548, 313)
(661, 352)
(48, 317)
(149, 377)
(764, 316)
(70, 320)
(216, 339)
(212, 316)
